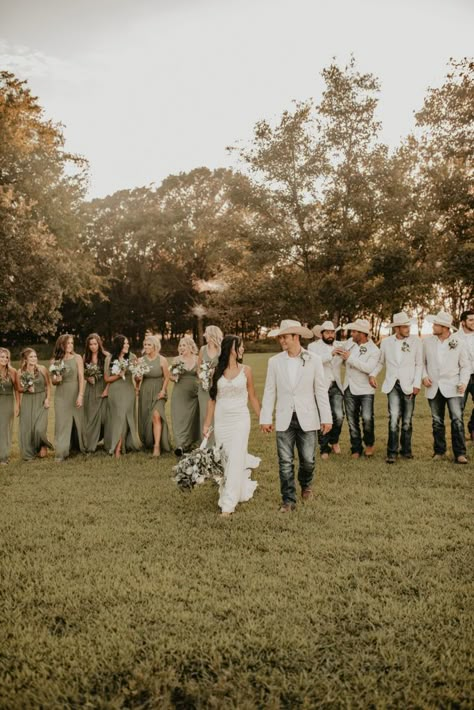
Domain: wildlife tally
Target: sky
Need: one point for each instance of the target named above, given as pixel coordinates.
(148, 88)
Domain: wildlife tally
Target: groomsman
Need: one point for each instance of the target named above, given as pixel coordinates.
(401, 355)
(446, 373)
(361, 356)
(466, 333)
(332, 372)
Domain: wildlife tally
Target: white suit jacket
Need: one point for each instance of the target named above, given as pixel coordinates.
(308, 398)
(454, 369)
(359, 365)
(468, 341)
(331, 364)
(407, 371)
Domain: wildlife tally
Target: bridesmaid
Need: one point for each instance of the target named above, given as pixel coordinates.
(34, 406)
(121, 423)
(68, 399)
(96, 391)
(184, 400)
(9, 404)
(209, 353)
(152, 425)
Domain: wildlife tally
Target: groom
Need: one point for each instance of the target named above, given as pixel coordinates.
(295, 378)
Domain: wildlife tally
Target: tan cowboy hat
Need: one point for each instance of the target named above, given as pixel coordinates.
(360, 324)
(402, 319)
(316, 331)
(329, 325)
(288, 327)
(441, 318)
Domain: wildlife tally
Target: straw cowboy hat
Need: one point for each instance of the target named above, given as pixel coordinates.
(401, 319)
(316, 331)
(293, 327)
(329, 325)
(441, 318)
(360, 324)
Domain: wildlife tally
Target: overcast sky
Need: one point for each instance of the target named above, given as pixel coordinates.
(146, 88)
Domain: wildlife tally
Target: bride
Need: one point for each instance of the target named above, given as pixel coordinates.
(232, 386)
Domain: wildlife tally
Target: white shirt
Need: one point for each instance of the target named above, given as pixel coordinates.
(293, 366)
(441, 350)
(398, 350)
(468, 340)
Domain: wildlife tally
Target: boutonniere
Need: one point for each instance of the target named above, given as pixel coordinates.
(405, 347)
(453, 344)
(362, 350)
(304, 356)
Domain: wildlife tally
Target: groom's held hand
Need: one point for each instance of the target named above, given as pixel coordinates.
(266, 428)
(326, 428)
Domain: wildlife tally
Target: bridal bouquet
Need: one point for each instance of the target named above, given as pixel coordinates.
(91, 370)
(206, 372)
(200, 465)
(139, 368)
(119, 367)
(57, 368)
(177, 369)
(27, 382)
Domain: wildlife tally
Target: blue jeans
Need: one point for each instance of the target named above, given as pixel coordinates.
(305, 442)
(336, 399)
(360, 406)
(455, 409)
(400, 410)
(469, 391)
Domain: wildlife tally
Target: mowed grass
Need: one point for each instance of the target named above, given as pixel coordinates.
(117, 591)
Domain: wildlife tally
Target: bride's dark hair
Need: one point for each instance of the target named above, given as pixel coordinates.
(226, 348)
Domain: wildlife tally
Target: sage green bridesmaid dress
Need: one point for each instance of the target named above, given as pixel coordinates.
(121, 421)
(204, 395)
(148, 403)
(185, 410)
(7, 412)
(68, 419)
(34, 420)
(95, 413)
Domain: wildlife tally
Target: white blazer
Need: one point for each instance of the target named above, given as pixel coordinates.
(455, 368)
(331, 363)
(308, 398)
(407, 370)
(359, 365)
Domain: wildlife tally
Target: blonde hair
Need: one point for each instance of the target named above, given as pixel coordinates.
(24, 358)
(214, 335)
(7, 353)
(155, 339)
(189, 342)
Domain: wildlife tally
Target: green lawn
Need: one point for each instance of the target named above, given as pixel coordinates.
(117, 591)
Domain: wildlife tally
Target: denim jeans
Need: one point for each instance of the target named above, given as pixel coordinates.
(336, 399)
(305, 442)
(400, 410)
(469, 391)
(360, 406)
(455, 409)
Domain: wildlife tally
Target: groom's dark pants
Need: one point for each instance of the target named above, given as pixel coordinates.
(305, 442)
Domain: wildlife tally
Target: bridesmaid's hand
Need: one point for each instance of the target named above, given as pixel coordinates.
(79, 401)
(91, 380)
(56, 379)
(17, 410)
(46, 403)
(161, 395)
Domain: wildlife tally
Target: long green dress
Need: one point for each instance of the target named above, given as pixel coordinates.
(121, 422)
(7, 411)
(34, 420)
(204, 394)
(148, 403)
(185, 410)
(95, 413)
(68, 419)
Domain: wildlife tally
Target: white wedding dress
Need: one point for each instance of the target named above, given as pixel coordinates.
(232, 428)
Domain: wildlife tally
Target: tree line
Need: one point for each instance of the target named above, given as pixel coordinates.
(318, 219)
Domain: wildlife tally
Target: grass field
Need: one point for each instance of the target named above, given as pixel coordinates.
(117, 591)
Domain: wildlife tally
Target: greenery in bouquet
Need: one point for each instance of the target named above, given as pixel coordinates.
(92, 370)
(177, 369)
(198, 466)
(27, 382)
(119, 367)
(138, 368)
(205, 374)
(57, 368)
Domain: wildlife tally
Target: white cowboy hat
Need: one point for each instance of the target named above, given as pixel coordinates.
(360, 324)
(401, 319)
(316, 331)
(441, 318)
(329, 325)
(291, 327)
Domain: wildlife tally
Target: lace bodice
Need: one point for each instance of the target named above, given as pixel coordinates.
(234, 390)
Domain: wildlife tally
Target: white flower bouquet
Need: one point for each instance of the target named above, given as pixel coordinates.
(200, 465)
(138, 368)
(92, 370)
(177, 369)
(57, 369)
(205, 374)
(119, 367)
(27, 382)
